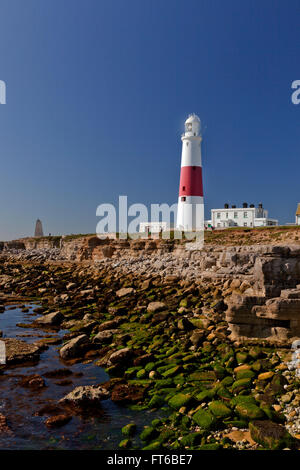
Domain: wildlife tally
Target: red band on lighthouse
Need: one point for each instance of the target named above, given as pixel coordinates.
(191, 181)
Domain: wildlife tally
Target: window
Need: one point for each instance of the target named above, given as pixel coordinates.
(188, 126)
(183, 188)
(245, 215)
(187, 144)
(218, 215)
(235, 215)
(218, 225)
(226, 215)
(245, 224)
(183, 198)
(235, 224)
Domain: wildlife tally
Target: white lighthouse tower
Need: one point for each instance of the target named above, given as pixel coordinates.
(190, 213)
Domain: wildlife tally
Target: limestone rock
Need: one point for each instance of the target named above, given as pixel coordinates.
(18, 351)
(85, 395)
(58, 420)
(120, 356)
(104, 336)
(51, 319)
(74, 347)
(154, 307)
(124, 291)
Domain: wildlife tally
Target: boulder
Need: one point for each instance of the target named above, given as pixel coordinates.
(18, 351)
(34, 382)
(271, 435)
(185, 325)
(104, 336)
(127, 393)
(120, 356)
(74, 348)
(108, 325)
(154, 307)
(51, 319)
(85, 395)
(205, 419)
(58, 420)
(125, 291)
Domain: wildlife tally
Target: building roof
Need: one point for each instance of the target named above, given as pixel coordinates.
(298, 209)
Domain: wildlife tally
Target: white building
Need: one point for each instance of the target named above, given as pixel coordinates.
(246, 216)
(298, 215)
(190, 212)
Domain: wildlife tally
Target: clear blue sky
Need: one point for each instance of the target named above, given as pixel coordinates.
(98, 91)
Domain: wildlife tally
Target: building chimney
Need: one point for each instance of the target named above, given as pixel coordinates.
(226, 205)
(245, 204)
(233, 206)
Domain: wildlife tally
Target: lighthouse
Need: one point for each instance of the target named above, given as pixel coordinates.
(190, 212)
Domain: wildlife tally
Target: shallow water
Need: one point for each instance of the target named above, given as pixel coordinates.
(19, 404)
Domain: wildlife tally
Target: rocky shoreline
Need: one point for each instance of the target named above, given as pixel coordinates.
(165, 343)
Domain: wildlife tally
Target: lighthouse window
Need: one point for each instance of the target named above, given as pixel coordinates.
(183, 188)
(187, 144)
(183, 198)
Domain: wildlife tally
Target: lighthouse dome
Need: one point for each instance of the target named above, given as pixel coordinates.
(192, 125)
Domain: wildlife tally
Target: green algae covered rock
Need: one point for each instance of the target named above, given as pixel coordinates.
(179, 400)
(241, 357)
(191, 439)
(237, 423)
(148, 433)
(129, 429)
(152, 446)
(159, 384)
(149, 366)
(243, 399)
(249, 411)
(166, 435)
(227, 381)
(205, 395)
(271, 435)
(213, 446)
(219, 409)
(205, 376)
(223, 393)
(171, 372)
(156, 401)
(240, 385)
(204, 418)
(272, 414)
(141, 374)
(125, 444)
(245, 374)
